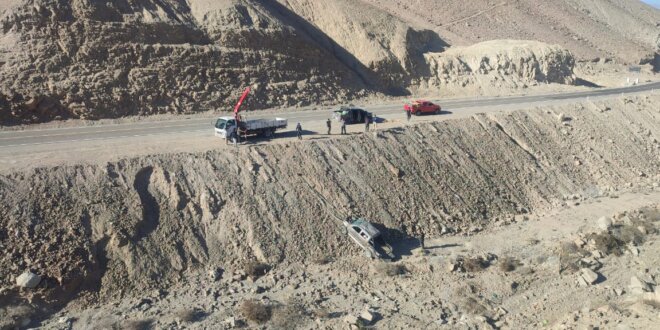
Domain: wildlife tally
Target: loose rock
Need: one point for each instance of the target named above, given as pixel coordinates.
(638, 286)
(367, 316)
(589, 276)
(351, 319)
(604, 223)
(28, 280)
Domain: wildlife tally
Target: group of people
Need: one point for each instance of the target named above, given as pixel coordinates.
(232, 133)
(328, 123)
(367, 126)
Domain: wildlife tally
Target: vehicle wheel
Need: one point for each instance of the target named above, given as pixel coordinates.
(268, 133)
(418, 113)
(437, 111)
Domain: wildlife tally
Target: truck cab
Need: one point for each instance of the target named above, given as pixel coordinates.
(222, 124)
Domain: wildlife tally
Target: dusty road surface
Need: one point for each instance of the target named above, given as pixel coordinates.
(99, 143)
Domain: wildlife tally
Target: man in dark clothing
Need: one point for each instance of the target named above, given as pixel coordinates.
(366, 124)
(329, 124)
(343, 127)
(299, 131)
(408, 115)
(230, 135)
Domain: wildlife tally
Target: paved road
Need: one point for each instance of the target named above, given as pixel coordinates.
(18, 139)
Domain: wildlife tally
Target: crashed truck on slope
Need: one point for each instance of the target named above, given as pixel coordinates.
(224, 126)
(369, 238)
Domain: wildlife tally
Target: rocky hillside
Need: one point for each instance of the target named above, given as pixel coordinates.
(106, 59)
(139, 223)
(500, 64)
(626, 31)
(94, 59)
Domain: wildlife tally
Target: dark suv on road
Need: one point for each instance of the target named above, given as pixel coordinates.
(352, 115)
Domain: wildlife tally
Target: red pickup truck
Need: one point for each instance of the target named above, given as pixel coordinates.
(421, 107)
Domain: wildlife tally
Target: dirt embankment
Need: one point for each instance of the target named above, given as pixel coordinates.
(140, 223)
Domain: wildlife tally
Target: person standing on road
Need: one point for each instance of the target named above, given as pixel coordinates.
(366, 124)
(230, 133)
(408, 115)
(299, 131)
(343, 126)
(329, 124)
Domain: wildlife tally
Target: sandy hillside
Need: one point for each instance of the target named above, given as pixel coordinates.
(100, 59)
(530, 274)
(98, 230)
(112, 60)
(625, 30)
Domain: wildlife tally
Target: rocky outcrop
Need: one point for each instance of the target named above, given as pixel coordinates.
(367, 36)
(508, 63)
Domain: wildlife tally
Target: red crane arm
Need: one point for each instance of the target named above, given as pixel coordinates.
(237, 108)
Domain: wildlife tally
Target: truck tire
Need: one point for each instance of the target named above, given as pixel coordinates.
(268, 133)
(418, 113)
(437, 111)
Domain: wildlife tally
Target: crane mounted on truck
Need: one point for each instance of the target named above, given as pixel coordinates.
(224, 126)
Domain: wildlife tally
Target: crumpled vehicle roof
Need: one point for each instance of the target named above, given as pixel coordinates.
(366, 226)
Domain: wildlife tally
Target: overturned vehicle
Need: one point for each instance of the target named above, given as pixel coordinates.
(369, 238)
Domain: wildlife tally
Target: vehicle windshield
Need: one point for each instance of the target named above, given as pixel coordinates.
(224, 123)
(220, 124)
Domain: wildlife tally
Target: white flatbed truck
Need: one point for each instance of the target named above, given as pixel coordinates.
(259, 127)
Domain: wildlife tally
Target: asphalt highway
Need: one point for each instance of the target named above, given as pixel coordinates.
(71, 135)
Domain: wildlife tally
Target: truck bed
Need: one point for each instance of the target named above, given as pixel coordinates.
(256, 124)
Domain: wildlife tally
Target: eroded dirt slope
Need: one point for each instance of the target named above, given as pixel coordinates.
(496, 65)
(108, 59)
(508, 277)
(139, 223)
(623, 30)
(98, 59)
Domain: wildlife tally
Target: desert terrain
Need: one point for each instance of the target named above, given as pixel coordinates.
(497, 186)
(82, 59)
(531, 200)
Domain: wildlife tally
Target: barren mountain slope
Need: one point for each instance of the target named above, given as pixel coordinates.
(625, 30)
(106, 59)
(380, 41)
(139, 223)
(497, 64)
